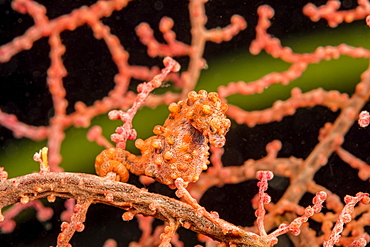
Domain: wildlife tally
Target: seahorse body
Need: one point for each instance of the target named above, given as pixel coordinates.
(179, 148)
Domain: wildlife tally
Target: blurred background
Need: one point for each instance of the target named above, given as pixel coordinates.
(23, 92)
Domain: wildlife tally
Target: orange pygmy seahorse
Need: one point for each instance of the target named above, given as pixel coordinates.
(179, 148)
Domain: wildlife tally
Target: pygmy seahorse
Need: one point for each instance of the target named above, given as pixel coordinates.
(179, 148)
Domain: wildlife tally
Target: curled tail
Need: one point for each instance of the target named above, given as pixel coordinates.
(114, 160)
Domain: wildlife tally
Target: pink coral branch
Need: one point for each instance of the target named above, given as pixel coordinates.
(345, 217)
(331, 99)
(126, 131)
(67, 22)
(263, 199)
(362, 167)
(294, 226)
(20, 129)
(330, 12)
(7, 225)
(87, 189)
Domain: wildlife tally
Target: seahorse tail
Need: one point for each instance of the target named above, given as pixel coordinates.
(112, 160)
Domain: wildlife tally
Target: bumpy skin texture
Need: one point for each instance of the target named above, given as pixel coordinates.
(179, 148)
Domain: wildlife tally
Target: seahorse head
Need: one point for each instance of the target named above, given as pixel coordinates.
(206, 113)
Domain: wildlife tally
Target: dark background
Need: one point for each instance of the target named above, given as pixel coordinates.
(23, 92)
